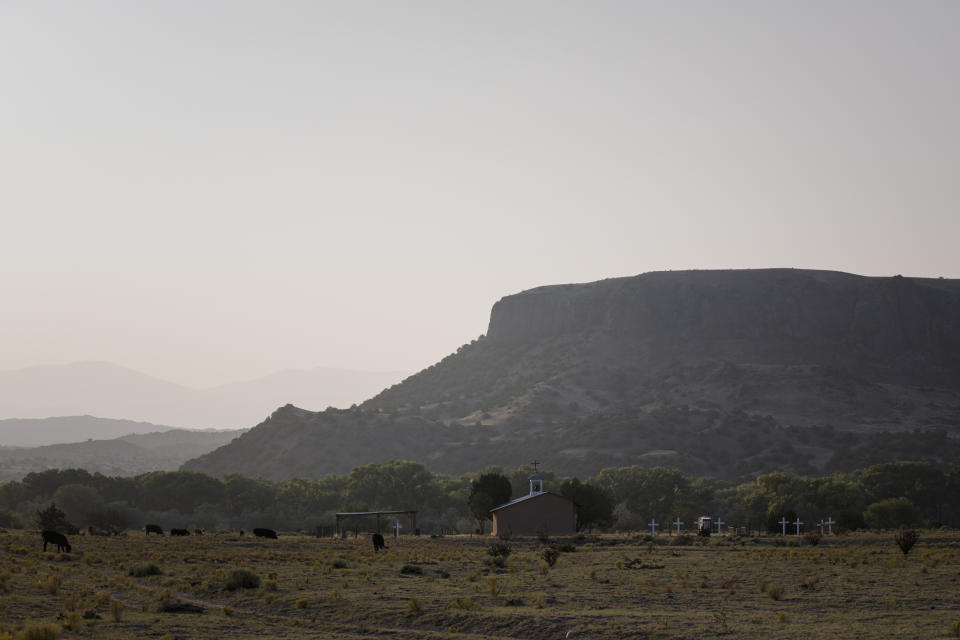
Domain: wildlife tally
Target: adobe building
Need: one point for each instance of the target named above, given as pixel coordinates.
(538, 512)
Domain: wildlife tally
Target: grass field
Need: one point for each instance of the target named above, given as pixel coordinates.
(857, 586)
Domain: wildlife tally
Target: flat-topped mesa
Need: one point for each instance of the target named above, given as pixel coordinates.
(777, 316)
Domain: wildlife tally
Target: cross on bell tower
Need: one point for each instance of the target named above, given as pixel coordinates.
(536, 480)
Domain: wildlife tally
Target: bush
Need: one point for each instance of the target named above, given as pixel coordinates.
(550, 555)
(411, 570)
(812, 538)
(500, 549)
(682, 540)
(41, 632)
(242, 579)
(145, 569)
(905, 539)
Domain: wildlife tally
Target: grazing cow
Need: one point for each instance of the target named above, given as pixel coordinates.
(154, 528)
(54, 537)
(198, 532)
(179, 532)
(378, 542)
(265, 533)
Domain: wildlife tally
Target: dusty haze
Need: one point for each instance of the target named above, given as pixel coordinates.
(211, 192)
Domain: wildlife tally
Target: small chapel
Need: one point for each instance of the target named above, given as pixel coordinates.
(539, 512)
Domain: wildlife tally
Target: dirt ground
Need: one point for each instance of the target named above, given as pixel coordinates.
(598, 587)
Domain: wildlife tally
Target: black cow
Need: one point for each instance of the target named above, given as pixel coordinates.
(179, 532)
(198, 532)
(57, 538)
(154, 528)
(378, 542)
(265, 533)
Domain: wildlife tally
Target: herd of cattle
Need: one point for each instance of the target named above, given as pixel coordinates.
(60, 541)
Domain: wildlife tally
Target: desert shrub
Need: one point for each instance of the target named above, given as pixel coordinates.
(411, 570)
(302, 603)
(775, 591)
(496, 562)
(501, 549)
(41, 632)
(51, 584)
(242, 579)
(414, 605)
(339, 563)
(116, 610)
(464, 604)
(550, 555)
(905, 539)
(812, 538)
(144, 569)
(682, 540)
(567, 547)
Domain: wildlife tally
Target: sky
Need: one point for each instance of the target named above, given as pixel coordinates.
(212, 191)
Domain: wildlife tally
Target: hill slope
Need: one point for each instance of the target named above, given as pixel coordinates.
(755, 369)
(127, 455)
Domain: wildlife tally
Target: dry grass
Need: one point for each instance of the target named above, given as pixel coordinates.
(611, 587)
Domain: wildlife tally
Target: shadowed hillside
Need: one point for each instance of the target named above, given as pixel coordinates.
(756, 369)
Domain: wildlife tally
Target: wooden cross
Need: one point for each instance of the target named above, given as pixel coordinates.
(783, 525)
(678, 523)
(535, 463)
(720, 524)
(830, 522)
(653, 524)
(797, 524)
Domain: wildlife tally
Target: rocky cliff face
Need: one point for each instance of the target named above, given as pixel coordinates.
(888, 329)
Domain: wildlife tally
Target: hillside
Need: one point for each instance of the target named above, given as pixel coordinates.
(127, 455)
(112, 391)
(755, 369)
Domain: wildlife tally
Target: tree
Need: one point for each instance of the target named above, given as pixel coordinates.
(53, 519)
(79, 502)
(594, 505)
(891, 513)
(486, 492)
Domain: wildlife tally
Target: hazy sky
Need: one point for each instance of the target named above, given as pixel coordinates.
(212, 191)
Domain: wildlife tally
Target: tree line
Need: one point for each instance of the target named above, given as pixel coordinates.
(620, 498)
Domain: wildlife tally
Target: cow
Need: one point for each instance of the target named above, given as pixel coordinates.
(154, 528)
(378, 542)
(198, 532)
(265, 533)
(179, 532)
(57, 538)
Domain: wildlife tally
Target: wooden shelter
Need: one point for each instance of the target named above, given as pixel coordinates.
(358, 515)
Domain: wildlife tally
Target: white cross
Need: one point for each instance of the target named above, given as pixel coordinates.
(797, 524)
(783, 525)
(830, 522)
(820, 526)
(720, 524)
(678, 523)
(653, 524)
(396, 529)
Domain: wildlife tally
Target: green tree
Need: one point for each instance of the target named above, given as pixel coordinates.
(486, 492)
(53, 519)
(78, 501)
(594, 505)
(891, 513)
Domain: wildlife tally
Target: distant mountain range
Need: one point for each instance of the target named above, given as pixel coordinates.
(111, 391)
(726, 373)
(143, 447)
